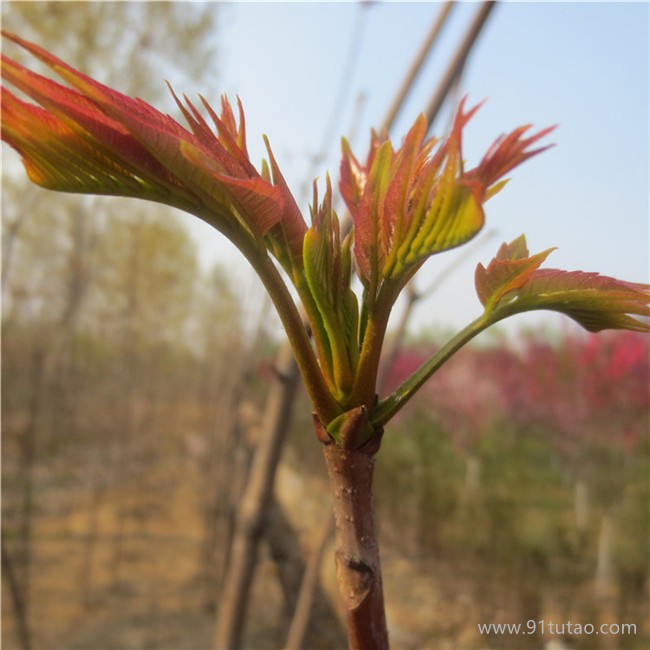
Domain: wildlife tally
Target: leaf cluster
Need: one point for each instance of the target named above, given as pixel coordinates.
(406, 204)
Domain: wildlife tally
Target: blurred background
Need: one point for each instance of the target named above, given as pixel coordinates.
(140, 355)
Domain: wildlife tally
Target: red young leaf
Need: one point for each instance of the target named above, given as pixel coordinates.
(292, 228)
(513, 283)
(369, 252)
(94, 139)
(417, 201)
(508, 271)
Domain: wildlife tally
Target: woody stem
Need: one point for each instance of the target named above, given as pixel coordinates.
(357, 553)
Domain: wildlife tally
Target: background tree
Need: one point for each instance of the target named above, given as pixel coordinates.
(48, 309)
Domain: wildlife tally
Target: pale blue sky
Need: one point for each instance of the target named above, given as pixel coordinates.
(583, 66)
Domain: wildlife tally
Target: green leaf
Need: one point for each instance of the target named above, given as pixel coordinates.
(453, 218)
(596, 302)
(513, 283)
(315, 272)
(328, 266)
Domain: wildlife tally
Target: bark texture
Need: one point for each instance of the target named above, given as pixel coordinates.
(357, 553)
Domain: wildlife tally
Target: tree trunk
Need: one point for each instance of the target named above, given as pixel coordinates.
(358, 570)
(604, 567)
(20, 612)
(581, 501)
(254, 505)
(90, 546)
(285, 551)
(472, 476)
(28, 444)
(308, 590)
